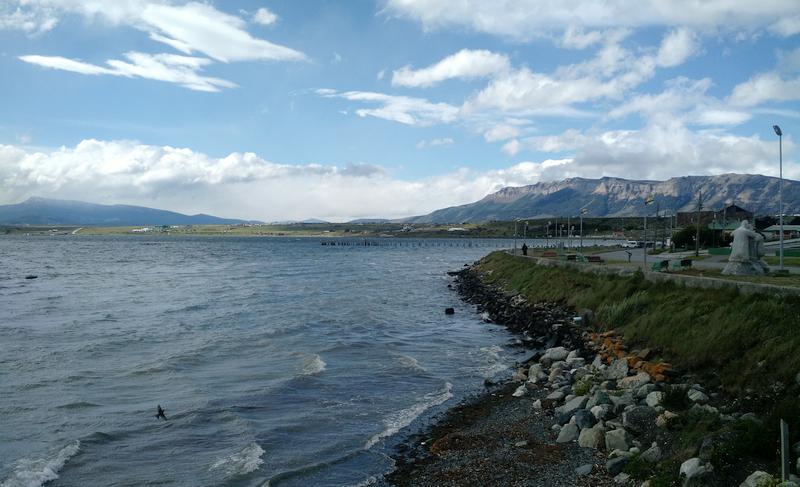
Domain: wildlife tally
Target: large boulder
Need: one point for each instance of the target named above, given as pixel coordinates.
(694, 468)
(634, 382)
(563, 413)
(655, 398)
(601, 411)
(599, 397)
(568, 433)
(758, 479)
(639, 419)
(584, 419)
(697, 396)
(618, 369)
(554, 355)
(652, 454)
(618, 439)
(592, 437)
(536, 374)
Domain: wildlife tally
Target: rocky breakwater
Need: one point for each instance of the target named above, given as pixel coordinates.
(636, 412)
(539, 324)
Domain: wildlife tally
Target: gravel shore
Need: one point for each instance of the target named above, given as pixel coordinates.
(496, 440)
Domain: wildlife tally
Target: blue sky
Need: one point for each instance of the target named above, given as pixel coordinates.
(293, 109)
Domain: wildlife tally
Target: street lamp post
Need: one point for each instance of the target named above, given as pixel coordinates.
(780, 188)
(547, 235)
(515, 237)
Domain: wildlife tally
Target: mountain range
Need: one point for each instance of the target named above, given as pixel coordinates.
(614, 197)
(45, 211)
(604, 197)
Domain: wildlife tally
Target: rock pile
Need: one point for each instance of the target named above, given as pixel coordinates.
(603, 396)
(619, 408)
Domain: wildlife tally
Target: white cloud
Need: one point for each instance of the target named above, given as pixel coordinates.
(336, 58)
(786, 26)
(424, 144)
(171, 68)
(205, 29)
(189, 27)
(660, 150)
(610, 74)
(465, 64)
(402, 109)
(678, 46)
(238, 185)
(28, 21)
(765, 87)
(527, 19)
(577, 38)
(500, 132)
(264, 16)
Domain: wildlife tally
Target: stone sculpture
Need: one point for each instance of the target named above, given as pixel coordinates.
(746, 252)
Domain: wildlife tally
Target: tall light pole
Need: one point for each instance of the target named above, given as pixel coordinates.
(780, 188)
(515, 237)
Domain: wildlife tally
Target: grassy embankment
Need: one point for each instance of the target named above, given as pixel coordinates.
(718, 331)
(744, 343)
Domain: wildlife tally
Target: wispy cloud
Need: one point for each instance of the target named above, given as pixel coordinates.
(401, 109)
(171, 68)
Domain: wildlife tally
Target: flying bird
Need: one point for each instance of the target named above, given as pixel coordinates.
(160, 413)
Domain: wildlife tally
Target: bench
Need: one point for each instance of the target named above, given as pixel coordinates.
(686, 263)
(660, 266)
(595, 259)
(549, 254)
(572, 257)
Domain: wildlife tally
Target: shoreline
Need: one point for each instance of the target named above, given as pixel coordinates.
(498, 437)
(583, 410)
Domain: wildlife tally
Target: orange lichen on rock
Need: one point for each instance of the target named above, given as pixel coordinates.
(610, 346)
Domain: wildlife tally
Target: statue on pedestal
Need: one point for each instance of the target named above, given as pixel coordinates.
(746, 252)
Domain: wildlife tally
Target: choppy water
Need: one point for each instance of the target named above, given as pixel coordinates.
(279, 362)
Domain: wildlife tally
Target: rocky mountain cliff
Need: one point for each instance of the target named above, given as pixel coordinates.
(610, 196)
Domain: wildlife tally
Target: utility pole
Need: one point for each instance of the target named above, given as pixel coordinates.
(697, 236)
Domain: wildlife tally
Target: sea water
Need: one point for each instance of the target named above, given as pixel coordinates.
(279, 361)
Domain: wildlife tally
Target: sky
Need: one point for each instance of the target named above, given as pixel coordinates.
(293, 109)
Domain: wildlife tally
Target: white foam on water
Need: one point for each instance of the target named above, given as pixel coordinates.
(399, 420)
(410, 362)
(495, 362)
(242, 462)
(366, 482)
(37, 472)
(313, 365)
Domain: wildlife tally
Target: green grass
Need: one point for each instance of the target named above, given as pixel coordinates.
(718, 332)
(791, 261)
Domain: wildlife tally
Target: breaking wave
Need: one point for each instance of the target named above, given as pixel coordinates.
(34, 473)
(242, 462)
(313, 365)
(399, 420)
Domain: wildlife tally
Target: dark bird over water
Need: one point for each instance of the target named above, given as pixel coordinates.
(160, 413)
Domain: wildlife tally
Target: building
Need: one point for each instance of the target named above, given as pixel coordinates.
(715, 219)
(789, 231)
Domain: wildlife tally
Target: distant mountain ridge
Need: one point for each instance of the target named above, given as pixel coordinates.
(45, 211)
(612, 197)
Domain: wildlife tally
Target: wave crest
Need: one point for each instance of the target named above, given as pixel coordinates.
(34, 473)
(399, 420)
(242, 462)
(313, 365)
